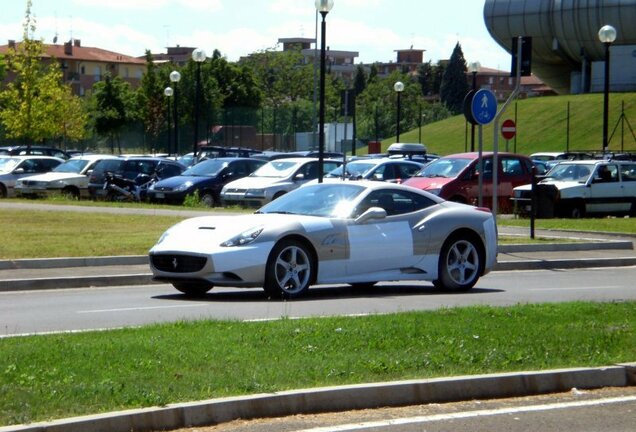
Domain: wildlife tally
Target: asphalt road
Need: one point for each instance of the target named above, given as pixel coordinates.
(25, 312)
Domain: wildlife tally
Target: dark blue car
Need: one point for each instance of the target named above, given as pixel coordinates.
(207, 178)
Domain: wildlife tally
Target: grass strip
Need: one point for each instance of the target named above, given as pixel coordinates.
(55, 234)
(55, 376)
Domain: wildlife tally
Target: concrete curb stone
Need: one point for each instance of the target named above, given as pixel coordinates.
(342, 398)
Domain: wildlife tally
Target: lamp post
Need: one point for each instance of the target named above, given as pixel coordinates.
(399, 88)
(323, 7)
(473, 68)
(168, 92)
(175, 77)
(198, 55)
(607, 35)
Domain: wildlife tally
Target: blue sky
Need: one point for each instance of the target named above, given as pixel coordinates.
(374, 28)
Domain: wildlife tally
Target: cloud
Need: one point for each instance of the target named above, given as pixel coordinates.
(199, 5)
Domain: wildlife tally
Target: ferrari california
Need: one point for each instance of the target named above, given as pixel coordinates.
(349, 232)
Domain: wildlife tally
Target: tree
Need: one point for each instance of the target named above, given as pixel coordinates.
(32, 105)
(359, 80)
(151, 100)
(426, 78)
(454, 84)
(113, 107)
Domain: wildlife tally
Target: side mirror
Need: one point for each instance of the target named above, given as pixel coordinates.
(19, 171)
(371, 213)
(299, 177)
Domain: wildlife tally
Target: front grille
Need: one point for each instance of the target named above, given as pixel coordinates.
(163, 189)
(524, 194)
(178, 263)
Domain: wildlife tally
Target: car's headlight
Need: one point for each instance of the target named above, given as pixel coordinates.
(185, 186)
(246, 237)
(255, 193)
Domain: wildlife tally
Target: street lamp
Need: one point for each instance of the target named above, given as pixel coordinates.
(175, 77)
(399, 88)
(473, 68)
(322, 6)
(168, 92)
(607, 35)
(198, 55)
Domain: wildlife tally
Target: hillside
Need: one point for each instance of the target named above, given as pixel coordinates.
(541, 126)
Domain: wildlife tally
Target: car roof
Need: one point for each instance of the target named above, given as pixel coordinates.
(475, 155)
(22, 157)
(94, 157)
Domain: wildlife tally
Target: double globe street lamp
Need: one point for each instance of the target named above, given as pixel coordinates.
(323, 7)
(199, 56)
(175, 77)
(399, 88)
(607, 35)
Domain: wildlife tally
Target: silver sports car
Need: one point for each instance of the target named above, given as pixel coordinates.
(350, 232)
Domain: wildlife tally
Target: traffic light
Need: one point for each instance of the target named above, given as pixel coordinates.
(526, 56)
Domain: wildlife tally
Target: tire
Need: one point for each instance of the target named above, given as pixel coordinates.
(193, 289)
(290, 269)
(3, 191)
(71, 193)
(208, 199)
(460, 264)
(575, 211)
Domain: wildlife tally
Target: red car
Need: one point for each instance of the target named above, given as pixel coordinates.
(456, 177)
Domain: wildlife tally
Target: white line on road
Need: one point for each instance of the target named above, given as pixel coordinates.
(470, 414)
(576, 288)
(139, 308)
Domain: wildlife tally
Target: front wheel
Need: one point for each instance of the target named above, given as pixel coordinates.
(459, 264)
(290, 269)
(192, 289)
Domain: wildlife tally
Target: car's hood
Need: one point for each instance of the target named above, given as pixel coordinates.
(559, 184)
(179, 180)
(54, 176)
(205, 234)
(426, 183)
(255, 182)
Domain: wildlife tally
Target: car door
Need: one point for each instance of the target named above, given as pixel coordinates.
(628, 184)
(606, 193)
(391, 243)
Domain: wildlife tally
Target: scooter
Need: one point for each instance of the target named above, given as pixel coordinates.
(119, 188)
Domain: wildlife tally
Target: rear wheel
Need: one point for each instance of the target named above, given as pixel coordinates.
(290, 269)
(460, 264)
(71, 193)
(193, 289)
(209, 199)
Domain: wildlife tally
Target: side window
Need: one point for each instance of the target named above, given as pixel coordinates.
(628, 172)
(394, 202)
(407, 171)
(310, 171)
(29, 166)
(511, 167)
(606, 174)
(169, 170)
(48, 165)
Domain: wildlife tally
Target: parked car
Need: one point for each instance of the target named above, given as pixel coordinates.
(207, 178)
(577, 188)
(273, 180)
(130, 168)
(553, 158)
(357, 233)
(69, 178)
(390, 170)
(13, 168)
(34, 150)
(456, 177)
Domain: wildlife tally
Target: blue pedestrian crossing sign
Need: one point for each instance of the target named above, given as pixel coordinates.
(484, 106)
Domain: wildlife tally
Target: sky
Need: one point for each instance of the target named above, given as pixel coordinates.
(373, 28)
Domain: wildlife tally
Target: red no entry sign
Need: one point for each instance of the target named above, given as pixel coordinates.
(508, 129)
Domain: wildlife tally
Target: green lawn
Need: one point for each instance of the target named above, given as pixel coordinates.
(542, 125)
(54, 376)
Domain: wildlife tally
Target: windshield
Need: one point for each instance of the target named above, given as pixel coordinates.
(71, 166)
(444, 167)
(7, 164)
(356, 168)
(571, 172)
(207, 168)
(326, 200)
(276, 169)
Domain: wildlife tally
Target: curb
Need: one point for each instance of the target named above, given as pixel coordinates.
(342, 398)
(565, 263)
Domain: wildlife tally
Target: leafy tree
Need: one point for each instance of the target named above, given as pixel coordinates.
(34, 103)
(426, 78)
(113, 107)
(454, 84)
(359, 80)
(151, 100)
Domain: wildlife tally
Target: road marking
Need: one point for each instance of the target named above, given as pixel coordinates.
(139, 308)
(470, 414)
(577, 288)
